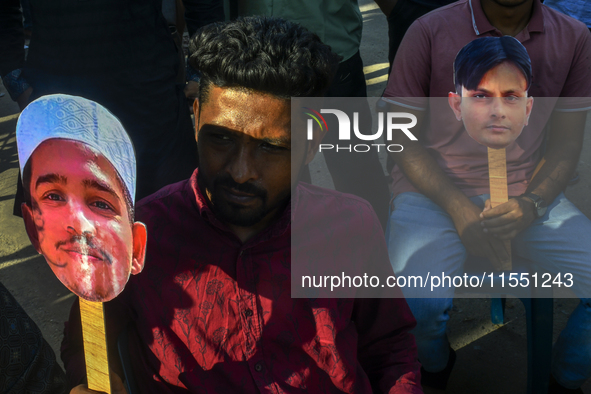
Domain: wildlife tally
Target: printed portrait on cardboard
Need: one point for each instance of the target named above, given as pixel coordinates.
(78, 170)
(492, 76)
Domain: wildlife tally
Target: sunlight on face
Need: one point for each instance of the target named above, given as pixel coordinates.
(81, 218)
(245, 149)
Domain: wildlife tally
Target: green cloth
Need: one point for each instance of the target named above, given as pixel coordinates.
(338, 23)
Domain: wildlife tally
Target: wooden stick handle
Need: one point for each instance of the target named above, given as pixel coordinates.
(95, 345)
(497, 173)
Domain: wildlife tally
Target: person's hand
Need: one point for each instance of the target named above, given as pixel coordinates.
(117, 387)
(507, 220)
(23, 99)
(476, 241)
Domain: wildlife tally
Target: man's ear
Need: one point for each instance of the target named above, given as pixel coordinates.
(30, 226)
(140, 238)
(454, 101)
(195, 107)
(528, 107)
(196, 114)
(313, 145)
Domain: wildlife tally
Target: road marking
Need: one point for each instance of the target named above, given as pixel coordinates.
(9, 118)
(64, 298)
(368, 7)
(376, 80)
(375, 67)
(15, 262)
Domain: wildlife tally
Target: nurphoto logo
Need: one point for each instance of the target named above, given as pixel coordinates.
(393, 123)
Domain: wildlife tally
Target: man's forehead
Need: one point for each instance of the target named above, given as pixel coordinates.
(507, 74)
(55, 150)
(60, 159)
(259, 115)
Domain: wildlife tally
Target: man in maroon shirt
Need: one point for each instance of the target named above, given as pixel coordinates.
(212, 311)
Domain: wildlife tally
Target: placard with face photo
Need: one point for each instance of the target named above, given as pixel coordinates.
(492, 76)
(79, 171)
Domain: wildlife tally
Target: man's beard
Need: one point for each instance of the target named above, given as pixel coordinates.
(236, 214)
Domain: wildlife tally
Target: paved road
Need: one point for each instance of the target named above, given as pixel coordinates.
(491, 359)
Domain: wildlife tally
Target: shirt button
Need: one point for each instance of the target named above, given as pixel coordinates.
(258, 367)
(248, 312)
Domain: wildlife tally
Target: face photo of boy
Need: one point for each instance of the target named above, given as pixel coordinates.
(79, 187)
(492, 78)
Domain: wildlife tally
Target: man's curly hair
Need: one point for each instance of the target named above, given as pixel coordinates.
(269, 55)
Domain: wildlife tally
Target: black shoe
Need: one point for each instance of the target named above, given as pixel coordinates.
(438, 380)
(555, 388)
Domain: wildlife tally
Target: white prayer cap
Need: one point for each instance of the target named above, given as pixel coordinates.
(78, 119)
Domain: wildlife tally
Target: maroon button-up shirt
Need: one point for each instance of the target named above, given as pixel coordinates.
(214, 315)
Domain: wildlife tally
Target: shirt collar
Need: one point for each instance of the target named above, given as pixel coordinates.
(277, 228)
(204, 209)
(481, 24)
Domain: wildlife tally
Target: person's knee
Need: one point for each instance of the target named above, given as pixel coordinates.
(431, 315)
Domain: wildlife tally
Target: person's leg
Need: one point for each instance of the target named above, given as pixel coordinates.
(358, 173)
(559, 242)
(571, 356)
(199, 13)
(422, 238)
(349, 80)
(162, 135)
(27, 17)
(28, 362)
(404, 13)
